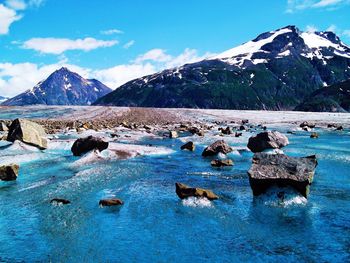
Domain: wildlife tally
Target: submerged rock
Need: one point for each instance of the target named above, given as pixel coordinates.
(267, 140)
(281, 170)
(84, 145)
(314, 135)
(183, 191)
(219, 146)
(110, 202)
(221, 163)
(28, 132)
(60, 201)
(9, 172)
(188, 146)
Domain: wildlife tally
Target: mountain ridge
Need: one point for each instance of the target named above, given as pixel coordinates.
(277, 70)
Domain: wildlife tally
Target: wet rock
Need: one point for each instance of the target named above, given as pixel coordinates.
(84, 145)
(110, 202)
(335, 126)
(242, 128)
(173, 134)
(183, 191)
(267, 140)
(28, 132)
(226, 131)
(188, 146)
(219, 146)
(314, 135)
(200, 133)
(245, 121)
(278, 169)
(339, 128)
(221, 163)
(3, 126)
(9, 172)
(306, 128)
(307, 124)
(238, 134)
(60, 201)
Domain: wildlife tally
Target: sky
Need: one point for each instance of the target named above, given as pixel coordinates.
(116, 41)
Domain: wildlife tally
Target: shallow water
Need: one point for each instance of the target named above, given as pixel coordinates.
(153, 225)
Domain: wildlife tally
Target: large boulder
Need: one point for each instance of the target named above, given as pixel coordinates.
(281, 170)
(267, 140)
(219, 146)
(28, 132)
(84, 145)
(183, 191)
(9, 172)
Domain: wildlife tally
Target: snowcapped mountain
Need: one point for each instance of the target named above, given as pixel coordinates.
(2, 99)
(62, 87)
(276, 70)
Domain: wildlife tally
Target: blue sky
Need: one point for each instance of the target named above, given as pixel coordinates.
(116, 40)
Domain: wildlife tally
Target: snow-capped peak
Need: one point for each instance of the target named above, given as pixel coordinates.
(285, 42)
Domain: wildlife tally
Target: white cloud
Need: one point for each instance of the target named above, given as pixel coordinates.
(16, 4)
(311, 28)
(7, 17)
(16, 78)
(111, 32)
(332, 28)
(60, 45)
(346, 33)
(297, 5)
(129, 44)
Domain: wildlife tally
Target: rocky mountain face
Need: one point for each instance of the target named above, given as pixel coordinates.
(335, 98)
(62, 87)
(275, 71)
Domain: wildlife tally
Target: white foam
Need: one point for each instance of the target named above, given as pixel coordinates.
(197, 202)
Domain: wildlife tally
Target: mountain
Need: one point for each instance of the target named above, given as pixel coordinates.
(277, 70)
(62, 87)
(335, 98)
(2, 99)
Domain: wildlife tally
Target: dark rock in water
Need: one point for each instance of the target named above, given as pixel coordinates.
(193, 130)
(314, 135)
(221, 163)
(339, 128)
(110, 202)
(9, 172)
(226, 131)
(183, 191)
(188, 146)
(307, 124)
(28, 132)
(245, 121)
(242, 128)
(267, 140)
(84, 145)
(60, 201)
(281, 170)
(219, 146)
(335, 126)
(238, 134)
(291, 132)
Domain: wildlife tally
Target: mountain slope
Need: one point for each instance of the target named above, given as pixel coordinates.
(277, 71)
(62, 87)
(335, 98)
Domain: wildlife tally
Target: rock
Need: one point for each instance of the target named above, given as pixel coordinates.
(110, 202)
(3, 126)
(339, 128)
(335, 126)
(226, 131)
(183, 191)
(242, 128)
(314, 135)
(238, 134)
(307, 124)
(200, 133)
(306, 128)
(291, 132)
(245, 121)
(28, 132)
(84, 145)
(173, 134)
(60, 201)
(267, 140)
(221, 163)
(219, 146)
(9, 172)
(188, 146)
(281, 170)
(193, 130)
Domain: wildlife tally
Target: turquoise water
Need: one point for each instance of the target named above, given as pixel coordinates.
(155, 226)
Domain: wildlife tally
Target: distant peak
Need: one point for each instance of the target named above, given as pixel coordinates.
(63, 70)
